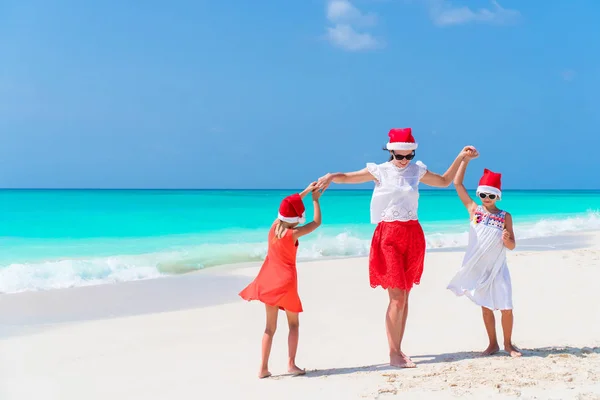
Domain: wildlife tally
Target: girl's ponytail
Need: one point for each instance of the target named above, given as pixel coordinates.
(281, 228)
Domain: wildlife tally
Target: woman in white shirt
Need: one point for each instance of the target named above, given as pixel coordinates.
(398, 244)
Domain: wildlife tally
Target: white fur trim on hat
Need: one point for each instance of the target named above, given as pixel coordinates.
(401, 146)
(489, 189)
(292, 220)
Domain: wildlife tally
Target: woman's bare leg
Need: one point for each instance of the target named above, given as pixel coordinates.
(294, 325)
(507, 327)
(267, 340)
(404, 318)
(490, 326)
(395, 322)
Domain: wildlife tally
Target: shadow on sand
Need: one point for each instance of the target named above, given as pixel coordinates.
(31, 312)
(455, 357)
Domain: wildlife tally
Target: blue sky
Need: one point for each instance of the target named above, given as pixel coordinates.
(272, 93)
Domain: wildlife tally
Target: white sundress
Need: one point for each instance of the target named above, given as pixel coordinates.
(484, 277)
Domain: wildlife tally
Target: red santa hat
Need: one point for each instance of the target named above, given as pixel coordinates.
(490, 183)
(401, 139)
(292, 209)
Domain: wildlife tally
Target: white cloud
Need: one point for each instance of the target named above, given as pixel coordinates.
(345, 17)
(443, 13)
(343, 12)
(346, 37)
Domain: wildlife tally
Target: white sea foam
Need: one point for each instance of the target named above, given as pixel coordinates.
(66, 273)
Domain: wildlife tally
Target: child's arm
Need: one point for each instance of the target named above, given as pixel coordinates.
(508, 236)
(308, 189)
(436, 180)
(311, 226)
(460, 188)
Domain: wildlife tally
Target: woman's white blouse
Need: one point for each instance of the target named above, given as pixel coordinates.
(396, 193)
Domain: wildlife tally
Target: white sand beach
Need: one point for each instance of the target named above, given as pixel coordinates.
(191, 337)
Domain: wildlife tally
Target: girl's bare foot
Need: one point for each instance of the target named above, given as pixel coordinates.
(492, 349)
(264, 374)
(512, 350)
(401, 361)
(295, 370)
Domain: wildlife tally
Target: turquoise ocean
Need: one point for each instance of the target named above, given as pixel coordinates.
(65, 238)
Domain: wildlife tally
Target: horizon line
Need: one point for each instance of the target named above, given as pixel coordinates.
(260, 189)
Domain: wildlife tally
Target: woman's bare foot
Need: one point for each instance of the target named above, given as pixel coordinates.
(264, 374)
(492, 349)
(408, 360)
(401, 361)
(512, 350)
(295, 370)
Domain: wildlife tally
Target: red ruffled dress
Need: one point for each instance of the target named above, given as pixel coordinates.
(398, 244)
(277, 281)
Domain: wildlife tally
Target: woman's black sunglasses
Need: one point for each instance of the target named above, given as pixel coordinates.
(401, 157)
(484, 195)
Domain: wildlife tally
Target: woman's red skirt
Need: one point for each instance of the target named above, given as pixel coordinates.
(397, 255)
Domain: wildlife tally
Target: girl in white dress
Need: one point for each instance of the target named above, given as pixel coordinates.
(484, 277)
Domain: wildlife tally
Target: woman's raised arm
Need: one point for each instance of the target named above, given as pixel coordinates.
(437, 180)
(360, 176)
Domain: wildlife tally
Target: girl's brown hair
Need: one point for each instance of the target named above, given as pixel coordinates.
(281, 228)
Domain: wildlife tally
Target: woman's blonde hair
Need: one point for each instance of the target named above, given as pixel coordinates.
(281, 227)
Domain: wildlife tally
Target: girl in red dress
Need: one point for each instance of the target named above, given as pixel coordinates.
(276, 284)
(398, 244)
